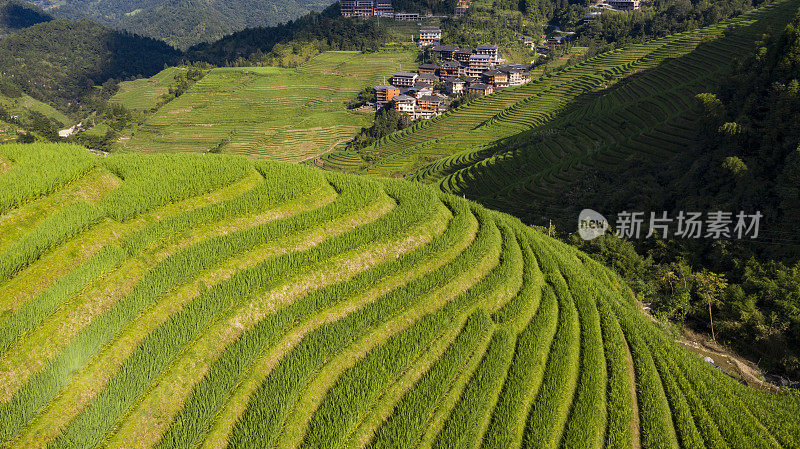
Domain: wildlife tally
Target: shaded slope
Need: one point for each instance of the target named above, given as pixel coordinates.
(60, 70)
(15, 15)
(183, 23)
(636, 100)
(202, 300)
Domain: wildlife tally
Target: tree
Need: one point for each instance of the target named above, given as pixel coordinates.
(709, 287)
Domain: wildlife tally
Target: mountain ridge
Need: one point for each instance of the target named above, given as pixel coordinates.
(183, 23)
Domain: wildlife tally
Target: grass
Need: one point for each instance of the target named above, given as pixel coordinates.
(24, 105)
(143, 94)
(267, 112)
(263, 304)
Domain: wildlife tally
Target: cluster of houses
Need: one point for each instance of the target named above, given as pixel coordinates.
(383, 8)
(424, 93)
(366, 8)
(620, 5)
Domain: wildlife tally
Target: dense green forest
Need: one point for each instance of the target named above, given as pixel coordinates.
(182, 23)
(749, 160)
(325, 31)
(66, 70)
(16, 15)
(659, 18)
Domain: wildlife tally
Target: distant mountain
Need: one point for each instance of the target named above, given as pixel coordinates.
(15, 15)
(84, 54)
(183, 23)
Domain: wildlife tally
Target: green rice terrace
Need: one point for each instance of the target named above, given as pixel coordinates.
(143, 94)
(281, 114)
(177, 300)
(527, 143)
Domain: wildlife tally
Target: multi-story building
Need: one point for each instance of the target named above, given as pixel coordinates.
(495, 78)
(517, 77)
(429, 106)
(407, 16)
(404, 79)
(357, 8)
(405, 104)
(454, 86)
(385, 94)
(428, 79)
(479, 64)
(624, 5)
(430, 35)
(347, 7)
(432, 103)
(481, 89)
(427, 69)
(462, 55)
(444, 52)
(528, 42)
(420, 90)
(449, 69)
(383, 8)
(489, 50)
(366, 8)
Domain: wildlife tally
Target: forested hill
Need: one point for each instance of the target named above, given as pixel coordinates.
(183, 23)
(60, 61)
(15, 15)
(325, 31)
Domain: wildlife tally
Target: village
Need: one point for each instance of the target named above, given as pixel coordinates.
(426, 93)
(455, 71)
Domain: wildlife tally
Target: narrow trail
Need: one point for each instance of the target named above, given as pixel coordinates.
(635, 423)
(323, 153)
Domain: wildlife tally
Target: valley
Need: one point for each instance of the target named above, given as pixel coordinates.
(282, 114)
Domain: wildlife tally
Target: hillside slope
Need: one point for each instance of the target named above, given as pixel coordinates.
(635, 100)
(61, 70)
(288, 114)
(205, 300)
(183, 23)
(16, 15)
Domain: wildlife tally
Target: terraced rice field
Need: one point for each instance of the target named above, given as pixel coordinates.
(281, 114)
(23, 106)
(521, 144)
(143, 94)
(214, 301)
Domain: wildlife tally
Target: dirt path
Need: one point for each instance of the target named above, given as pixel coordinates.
(323, 153)
(726, 361)
(635, 424)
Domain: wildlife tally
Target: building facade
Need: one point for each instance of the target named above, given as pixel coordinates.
(479, 64)
(517, 77)
(404, 79)
(624, 5)
(366, 8)
(406, 16)
(405, 104)
(385, 94)
(357, 8)
(449, 69)
(454, 86)
(481, 89)
(383, 8)
(430, 35)
(489, 50)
